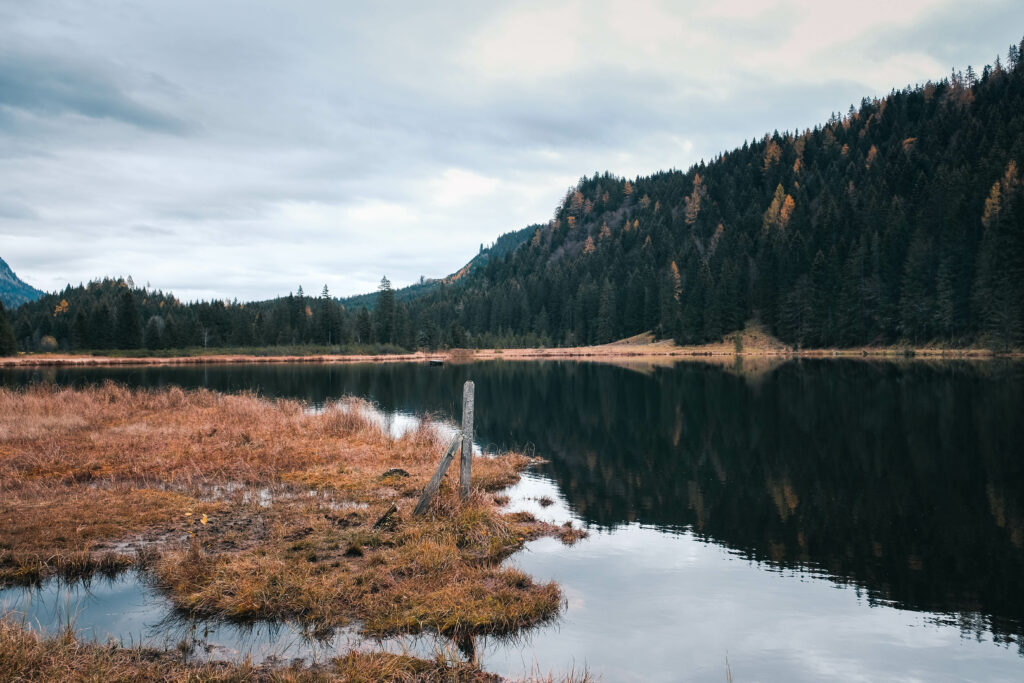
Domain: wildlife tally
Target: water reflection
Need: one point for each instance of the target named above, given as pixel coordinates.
(129, 611)
(905, 481)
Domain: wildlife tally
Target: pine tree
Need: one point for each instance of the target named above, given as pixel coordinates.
(384, 313)
(328, 319)
(8, 344)
(80, 329)
(945, 300)
(606, 315)
(101, 327)
(916, 299)
(999, 285)
(364, 327)
(152, 334)
(129, 324)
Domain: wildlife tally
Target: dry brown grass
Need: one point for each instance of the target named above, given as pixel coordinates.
(25, 656)
(103, 478)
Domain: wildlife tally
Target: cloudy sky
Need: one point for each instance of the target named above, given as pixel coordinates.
(241, 149)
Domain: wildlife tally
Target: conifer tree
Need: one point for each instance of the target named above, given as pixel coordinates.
(8, 344)
(384, 313)
(364, 327)
(129, 324)
(606, 315)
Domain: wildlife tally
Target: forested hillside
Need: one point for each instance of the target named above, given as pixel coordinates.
(502, 246)
(901, 221)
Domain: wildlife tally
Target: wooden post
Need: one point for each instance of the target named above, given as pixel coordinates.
(466, 469)
(435, 481)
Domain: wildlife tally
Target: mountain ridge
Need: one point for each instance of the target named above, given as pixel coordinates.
(13, 290)
(504, 244)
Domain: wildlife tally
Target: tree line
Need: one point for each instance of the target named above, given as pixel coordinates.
(116, 314)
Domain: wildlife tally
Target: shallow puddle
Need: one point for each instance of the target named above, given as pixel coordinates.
(129, 611)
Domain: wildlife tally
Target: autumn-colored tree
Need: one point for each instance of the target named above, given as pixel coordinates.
(872, 156)
(576, 202)
(772, 154)
(993, 204)
(780, 211)
(675, 281)
(695, 201)
(786, 212)
(1004, 186)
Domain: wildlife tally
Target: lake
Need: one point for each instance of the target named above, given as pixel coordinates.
(813, 519)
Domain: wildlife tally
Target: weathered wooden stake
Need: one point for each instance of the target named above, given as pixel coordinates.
(435, 481)
(386, 517)
(466, 469)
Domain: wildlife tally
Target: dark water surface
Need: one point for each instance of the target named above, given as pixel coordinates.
(819, 519)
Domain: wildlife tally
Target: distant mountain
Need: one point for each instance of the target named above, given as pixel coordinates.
(505, 244)
(14, 292)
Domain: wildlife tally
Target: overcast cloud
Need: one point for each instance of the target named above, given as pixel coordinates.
(240, 149)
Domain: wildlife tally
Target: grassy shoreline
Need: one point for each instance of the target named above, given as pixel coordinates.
(26, 656)
(750, 346)
(245, 509)
(753, 342)
(607, 353)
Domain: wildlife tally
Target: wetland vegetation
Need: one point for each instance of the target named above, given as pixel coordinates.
(244, 508)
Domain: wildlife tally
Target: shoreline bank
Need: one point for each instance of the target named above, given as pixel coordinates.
(610, 353)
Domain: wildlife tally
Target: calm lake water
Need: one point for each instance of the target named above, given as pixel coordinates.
(818, 519)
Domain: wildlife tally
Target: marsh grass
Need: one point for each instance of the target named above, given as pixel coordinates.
(27, 656)
(243, 508)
